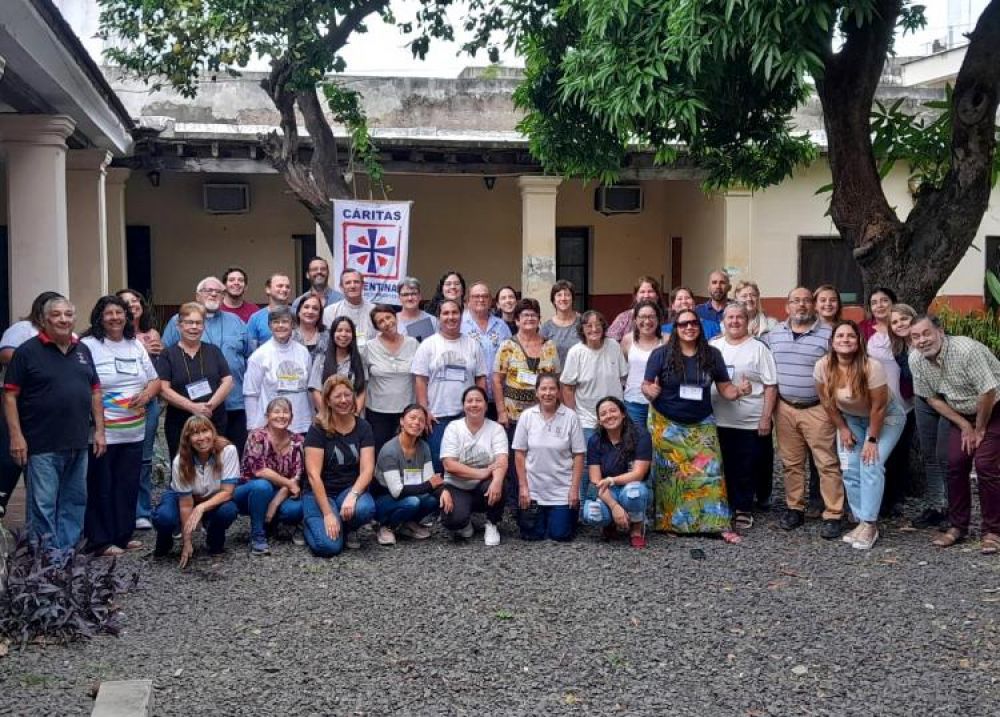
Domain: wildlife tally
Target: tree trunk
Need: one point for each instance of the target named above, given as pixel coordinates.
(914, 257)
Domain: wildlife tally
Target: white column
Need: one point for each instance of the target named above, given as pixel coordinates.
(538, 238)
(88, 226)
(35, 147)
(117, 255)
(738, 218)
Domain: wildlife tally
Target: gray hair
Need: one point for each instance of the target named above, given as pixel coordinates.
(280, 312)
(408, 282)
(54, 302)
(201, 284)
(933, 318)
(736, 306)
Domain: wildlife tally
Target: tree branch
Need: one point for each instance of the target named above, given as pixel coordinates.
(338, 36)
(325, 168)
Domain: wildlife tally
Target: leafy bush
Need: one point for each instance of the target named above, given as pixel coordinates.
(60, 596)
(983, 326)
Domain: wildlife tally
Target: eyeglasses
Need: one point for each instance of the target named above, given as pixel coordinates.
(210, 291)
(192, 322)
(528, 315)
(693, 323)
(800, 301)
(408, 294)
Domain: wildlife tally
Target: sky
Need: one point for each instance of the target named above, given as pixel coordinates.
(383, 50)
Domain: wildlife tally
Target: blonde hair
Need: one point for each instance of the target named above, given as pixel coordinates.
(324, 416)
(191, 307)
(186, 453)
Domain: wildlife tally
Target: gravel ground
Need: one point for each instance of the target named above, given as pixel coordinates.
(784, 624)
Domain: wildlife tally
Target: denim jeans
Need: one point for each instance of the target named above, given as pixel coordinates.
(633, 497)
(393, 512)
(112, 487)
(167, 521)
(144, 503)
(434, 441)
(555, 522)
(639, 413)
(253, 497)
(312, 521)
(932, 432)
(864, 483)
(58, 497)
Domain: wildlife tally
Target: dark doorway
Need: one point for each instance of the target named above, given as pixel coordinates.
(573, 261)
(139, 260)
(676, 264)
(829, 260)
(5, 287)
(305, 249)
(992, 264)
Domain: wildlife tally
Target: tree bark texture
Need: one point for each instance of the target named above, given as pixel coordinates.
(914, 257)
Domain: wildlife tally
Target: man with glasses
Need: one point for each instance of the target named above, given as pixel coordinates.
(801, 422)
(229, 334)
(490, 331)
(412, 320)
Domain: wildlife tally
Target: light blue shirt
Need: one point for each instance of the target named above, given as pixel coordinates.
(332, 296)
(229, 334)
(258, 328)
(496, 333)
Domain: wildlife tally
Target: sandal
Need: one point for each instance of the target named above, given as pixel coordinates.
(948, 538)
(990, 544)
(731, 537)
(134, 545)
(112, 551)
(743, 521)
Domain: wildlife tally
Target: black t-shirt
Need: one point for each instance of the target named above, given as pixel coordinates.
(341, 454)
(670, 403)
(54, 393)
(612, 458)
(181, 372)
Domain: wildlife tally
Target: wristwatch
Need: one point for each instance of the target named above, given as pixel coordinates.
(872, 439)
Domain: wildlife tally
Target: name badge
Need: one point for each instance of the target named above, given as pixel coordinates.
(528, 378)
(361, 338)
(731, 370)
(454, 372)
(198, 389)
(129, 367)
(690, 392)
(413, 476)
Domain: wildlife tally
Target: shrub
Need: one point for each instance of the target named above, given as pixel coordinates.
(59, 596)
(983, 326)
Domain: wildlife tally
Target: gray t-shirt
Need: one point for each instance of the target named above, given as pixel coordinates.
(549, 446)
(390, 382)
(564, 337)
(394, 470)
(419, 328)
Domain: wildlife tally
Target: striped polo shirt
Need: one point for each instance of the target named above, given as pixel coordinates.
(795, 356)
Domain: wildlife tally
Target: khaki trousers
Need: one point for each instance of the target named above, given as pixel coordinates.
(802, 431)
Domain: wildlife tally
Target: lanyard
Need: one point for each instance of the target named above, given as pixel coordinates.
(201, 364)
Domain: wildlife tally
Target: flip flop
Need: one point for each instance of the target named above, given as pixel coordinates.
(112, 551)
(948, 538)
(990, 544)
(743, 521)
(134, 545)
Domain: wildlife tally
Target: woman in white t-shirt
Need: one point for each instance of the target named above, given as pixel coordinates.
(549, 454)
(279, 367)
(637, 345)
(474, 456)
(595, 368)
(744, 425)
(204, 475)
(855, 393)
(129, 384)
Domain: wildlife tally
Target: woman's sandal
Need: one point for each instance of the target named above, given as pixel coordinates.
(990, 544)
(731, 537)
(743, 521)
(948, 538)
(134, 545)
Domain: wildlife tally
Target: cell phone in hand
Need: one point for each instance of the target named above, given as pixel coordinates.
(697, 554)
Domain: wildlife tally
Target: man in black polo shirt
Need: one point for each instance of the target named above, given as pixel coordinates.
(51, 393)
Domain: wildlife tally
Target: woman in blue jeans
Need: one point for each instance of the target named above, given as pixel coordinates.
(204, 473)
(854, 391)
(406, 488)
(618, 458)
(340, 463)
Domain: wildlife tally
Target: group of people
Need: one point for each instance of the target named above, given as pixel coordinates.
(325, 413)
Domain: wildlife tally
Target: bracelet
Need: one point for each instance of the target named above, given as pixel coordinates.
(355, 493)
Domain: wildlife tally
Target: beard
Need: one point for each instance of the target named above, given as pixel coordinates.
(212, 305)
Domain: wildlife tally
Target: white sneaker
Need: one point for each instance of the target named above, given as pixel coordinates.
(467, 532)
(298, 537)
(414, 531)
(492, 535)
(385, 536)
(143, 524)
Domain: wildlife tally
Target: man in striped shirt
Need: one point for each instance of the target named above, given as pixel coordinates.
(801, 423)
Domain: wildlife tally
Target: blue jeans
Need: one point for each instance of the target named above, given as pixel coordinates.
(434, 441)
(633, 497)
(932, 432)
(253, 497)
(312, 521)
(587, 433)
(555, 522)
(167, 521)
(144, 504)
(863, 482)
(57, 500)
(393, 512)
(639, 413)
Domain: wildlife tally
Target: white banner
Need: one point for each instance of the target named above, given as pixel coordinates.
(374, 238)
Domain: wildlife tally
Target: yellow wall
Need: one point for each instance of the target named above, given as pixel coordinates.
(189, 244)
(702, 226)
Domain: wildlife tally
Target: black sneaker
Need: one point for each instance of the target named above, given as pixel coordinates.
(762, 506)
(831, 529)
(930, 518)
(792, 519)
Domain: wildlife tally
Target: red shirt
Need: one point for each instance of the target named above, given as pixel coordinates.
(246, 310)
